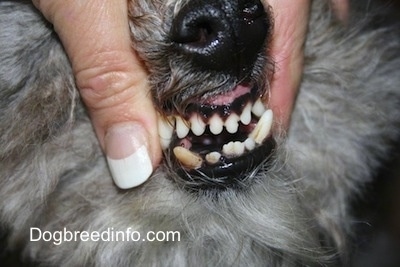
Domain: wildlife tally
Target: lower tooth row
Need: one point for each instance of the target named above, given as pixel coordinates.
(261, 131)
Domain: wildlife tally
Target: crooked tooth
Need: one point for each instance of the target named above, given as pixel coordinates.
(249, 144)
(232, 124)
(233, 148)
(182, 127)
(227, 149)
(216, 124)
(258, 108)
(263, 127)
(187, 158)
(213, 157)
(165, 130)
(197, 125)
(245, 117)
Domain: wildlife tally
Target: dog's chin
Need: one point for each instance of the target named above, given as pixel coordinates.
(221, 141)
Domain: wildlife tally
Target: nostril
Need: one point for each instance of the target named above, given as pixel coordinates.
(220, 35)
(202, 32)
(195, 32)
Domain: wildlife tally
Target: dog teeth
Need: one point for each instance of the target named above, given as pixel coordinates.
(165, 130)
(182, 127)
(245, 118)
(263, 127)
(232, 123)
(197, 125)
(233, 149)
(258, 108)
(213, 157)
(216, 124)
(187, 158)
(249, 144)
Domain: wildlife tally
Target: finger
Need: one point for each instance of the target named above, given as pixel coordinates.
(112, 83)
(290, 28)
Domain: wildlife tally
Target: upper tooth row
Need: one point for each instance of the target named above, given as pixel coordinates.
(198, 126)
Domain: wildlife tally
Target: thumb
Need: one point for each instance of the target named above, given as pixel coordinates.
(112, 83)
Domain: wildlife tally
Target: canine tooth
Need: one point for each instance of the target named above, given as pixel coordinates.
(249, 144)
(231, 123)
(238, 148)
(197, 125)
(258, 108)
(228, 149)
(216, 124)
(245, 118)
(165, 130)
(262, 128)
(213, 157)
(187, 158)
(182, 127)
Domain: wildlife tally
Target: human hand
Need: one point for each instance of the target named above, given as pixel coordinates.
(287, 50)
(112, 83)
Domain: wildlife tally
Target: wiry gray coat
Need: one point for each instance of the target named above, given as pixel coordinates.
(53, 174)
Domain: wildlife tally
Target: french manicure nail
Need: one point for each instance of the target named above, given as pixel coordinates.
(127, 155)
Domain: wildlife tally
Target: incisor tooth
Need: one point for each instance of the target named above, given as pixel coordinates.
(197, 125)
(249, 144)
(258, 108)
(263, 127)
(165, 130)
(227, 149)
(187, 158)
(213, 157)
(238, 148)
(231, 123)
(245, 117)
(182, 127)
(216, 124)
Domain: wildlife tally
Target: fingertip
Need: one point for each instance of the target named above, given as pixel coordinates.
(128, 153)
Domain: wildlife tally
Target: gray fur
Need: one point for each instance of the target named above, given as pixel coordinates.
(53, 174)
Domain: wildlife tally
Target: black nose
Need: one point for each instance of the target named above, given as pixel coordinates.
(221, 35)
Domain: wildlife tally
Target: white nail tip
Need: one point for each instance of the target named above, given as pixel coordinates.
(131, 171)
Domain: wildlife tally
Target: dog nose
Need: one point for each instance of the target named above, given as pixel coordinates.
(220, 35)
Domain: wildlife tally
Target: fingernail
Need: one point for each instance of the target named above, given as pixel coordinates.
(127, 155)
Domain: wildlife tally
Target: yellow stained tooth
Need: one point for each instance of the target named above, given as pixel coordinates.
(187, 158)
(213, 157)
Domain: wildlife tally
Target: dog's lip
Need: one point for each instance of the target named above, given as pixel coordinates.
(228, 172)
